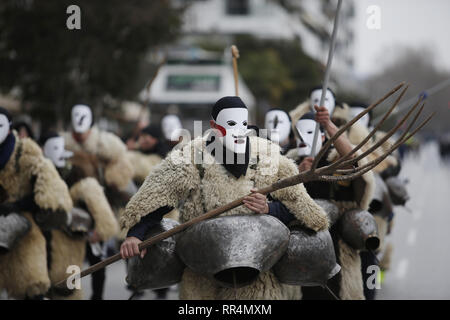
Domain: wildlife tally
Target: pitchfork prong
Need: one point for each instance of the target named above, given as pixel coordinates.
(374, 163)
(379, 143)
(341, 171)
(370, 135)
(350, 123)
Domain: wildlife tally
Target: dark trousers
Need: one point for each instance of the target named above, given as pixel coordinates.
(98, 277)
(367, 259)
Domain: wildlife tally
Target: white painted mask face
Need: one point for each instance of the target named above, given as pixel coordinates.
(4, 127)
(306, 129)
(277, 121)
(233, 126)
(354, 111)
(54, 150)
(329, 102)
(81, 118)
(171, 126)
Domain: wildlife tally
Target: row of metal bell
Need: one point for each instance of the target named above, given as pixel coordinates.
(234, 250)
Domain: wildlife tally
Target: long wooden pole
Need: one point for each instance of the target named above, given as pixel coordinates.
(235, 54)
(327, 73)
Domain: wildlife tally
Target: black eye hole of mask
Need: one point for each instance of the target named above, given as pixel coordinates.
(244, 123)
(231, 123)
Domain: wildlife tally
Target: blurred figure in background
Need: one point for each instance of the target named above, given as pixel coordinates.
(171, 125)
(278, 121)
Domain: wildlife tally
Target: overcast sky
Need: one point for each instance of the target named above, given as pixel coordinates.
(413, 23)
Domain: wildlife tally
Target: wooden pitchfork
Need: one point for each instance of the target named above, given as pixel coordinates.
(325, 173)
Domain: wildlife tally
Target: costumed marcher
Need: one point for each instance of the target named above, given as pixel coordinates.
(23, 129)
(67, 247)
(31, 189)
(346, 195)
(171, 126)
(195, 188)
(150, 152)
(381, 206)
(116, 171)
(278, 121)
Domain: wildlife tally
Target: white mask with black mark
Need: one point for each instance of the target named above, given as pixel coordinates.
(328, 103)
(306, 128)
(4, 127)
(277, 121)
(54, 150)
(81, 118)
(354, 111)
(171, 126)
(233, 126)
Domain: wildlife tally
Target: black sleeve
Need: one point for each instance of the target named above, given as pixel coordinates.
(279, 211)
(140, 229)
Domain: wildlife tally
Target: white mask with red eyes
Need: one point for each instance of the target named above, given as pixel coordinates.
(328, 103)
(81, 118)
(232, 123)
(305, 129)
(277, 121)
(4, 127)
(354, 111)
(54, 150)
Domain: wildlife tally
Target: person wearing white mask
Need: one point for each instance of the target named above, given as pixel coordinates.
(278, 125)
(32, 191)
(106, 146)
(79, 240)
(233, 164)
(171, 128)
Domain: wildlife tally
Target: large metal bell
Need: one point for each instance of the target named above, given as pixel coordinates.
(358, 229)
(80, 220)
(12, 227)
(160, 267)
(330, 209)
(397, 191)
(233, 250)
(310, 259)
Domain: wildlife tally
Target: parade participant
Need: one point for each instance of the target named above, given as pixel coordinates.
(67, 247)
(23, 129)
(194, 188)
(278, 121)
(107, 147)
(30, 187)
(150, 151)
(347, 195)
(171, 124)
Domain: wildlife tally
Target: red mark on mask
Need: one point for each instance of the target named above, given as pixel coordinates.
(222, 130)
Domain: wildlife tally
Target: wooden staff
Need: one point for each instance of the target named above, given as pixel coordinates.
(327, 74)
(235, 53)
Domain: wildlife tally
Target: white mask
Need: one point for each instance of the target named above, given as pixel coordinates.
(329, 101)
(354, 111)
(306, 128)
(81, 118)
(171, 126)
(234, 122)
(4, 127)
(277, 121)
(54, 150)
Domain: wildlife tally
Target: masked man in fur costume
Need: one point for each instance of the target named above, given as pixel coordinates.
(385, 196)
(347, 195)
(68, 247)
(105, 146)
(197, 187)
(279, 128)
(31, 187)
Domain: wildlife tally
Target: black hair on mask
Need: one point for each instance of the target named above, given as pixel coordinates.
(225, 103)
(46, 136)
(6, 113)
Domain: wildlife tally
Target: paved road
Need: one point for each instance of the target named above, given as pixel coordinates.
(421, 238)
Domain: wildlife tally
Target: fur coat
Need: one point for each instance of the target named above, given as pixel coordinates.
(110, 151)
(176, 182)
(24, 269)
